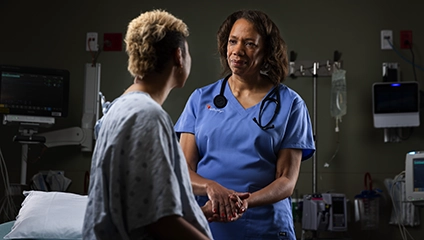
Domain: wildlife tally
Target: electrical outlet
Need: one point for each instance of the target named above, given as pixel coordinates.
(386, 38)
(405, 39)
(91, 42)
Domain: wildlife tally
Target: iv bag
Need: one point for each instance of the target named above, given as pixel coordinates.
(338, 103)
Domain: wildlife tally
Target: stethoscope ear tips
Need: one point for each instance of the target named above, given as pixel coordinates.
(220, 101)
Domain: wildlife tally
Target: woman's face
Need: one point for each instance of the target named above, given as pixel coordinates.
(245, 49)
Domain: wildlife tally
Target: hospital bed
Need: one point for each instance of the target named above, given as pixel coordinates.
(47, 215)
(5, 228)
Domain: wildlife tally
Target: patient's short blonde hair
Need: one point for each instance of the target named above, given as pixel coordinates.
(151, 39)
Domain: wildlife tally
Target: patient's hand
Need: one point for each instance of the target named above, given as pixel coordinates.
(209, 214)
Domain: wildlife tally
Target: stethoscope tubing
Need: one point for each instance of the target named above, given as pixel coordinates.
(220, 101)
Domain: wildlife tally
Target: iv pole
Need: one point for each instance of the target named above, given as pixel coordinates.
(314, 157)
(315, 69)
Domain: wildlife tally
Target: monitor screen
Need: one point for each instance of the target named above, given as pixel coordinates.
(396, 104)
(34, 91)
(414, 177)
(418, 174)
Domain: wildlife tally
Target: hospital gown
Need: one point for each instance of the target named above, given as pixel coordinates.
(235, 152)
(138, 173)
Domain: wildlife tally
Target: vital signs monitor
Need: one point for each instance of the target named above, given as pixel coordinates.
(414, 177)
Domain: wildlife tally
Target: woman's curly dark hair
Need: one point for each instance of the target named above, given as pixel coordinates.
(275, 60)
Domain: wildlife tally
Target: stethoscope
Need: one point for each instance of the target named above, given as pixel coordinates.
(220, 101)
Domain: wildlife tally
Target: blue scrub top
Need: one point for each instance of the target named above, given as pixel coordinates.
(235, 152)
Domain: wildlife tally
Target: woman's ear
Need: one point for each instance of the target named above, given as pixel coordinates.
(178, 57)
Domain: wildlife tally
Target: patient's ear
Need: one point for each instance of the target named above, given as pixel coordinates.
(178, 57)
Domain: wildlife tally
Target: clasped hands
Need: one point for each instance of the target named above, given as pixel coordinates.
(224, 205)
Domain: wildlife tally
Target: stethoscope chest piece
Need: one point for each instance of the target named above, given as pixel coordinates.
(220, 101)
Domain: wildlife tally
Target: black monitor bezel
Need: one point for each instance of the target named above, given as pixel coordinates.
(409, 89)
(38, 71)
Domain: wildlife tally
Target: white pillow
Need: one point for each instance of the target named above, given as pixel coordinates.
(50, 215)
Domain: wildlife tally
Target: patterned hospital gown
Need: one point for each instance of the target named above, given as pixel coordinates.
(138, 173)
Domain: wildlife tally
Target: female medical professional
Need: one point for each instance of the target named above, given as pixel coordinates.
(247, 132)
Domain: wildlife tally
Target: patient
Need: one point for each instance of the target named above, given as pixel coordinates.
(139, 183)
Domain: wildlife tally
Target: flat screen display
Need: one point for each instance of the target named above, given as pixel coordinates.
(396, 98)
(34, 91)
(396, 104)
